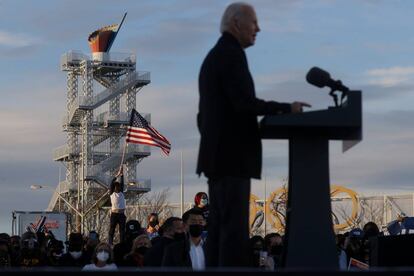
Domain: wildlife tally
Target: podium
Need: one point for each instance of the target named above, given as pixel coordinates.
(310, 238)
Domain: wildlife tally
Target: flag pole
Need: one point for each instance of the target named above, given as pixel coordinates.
(123, 155)
(116, 33)
(182, 185)
(265, 203)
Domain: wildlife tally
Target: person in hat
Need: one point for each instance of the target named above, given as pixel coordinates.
(118, 207)
(30, 253)
(54, 252)
(75, 256)
(133, 230)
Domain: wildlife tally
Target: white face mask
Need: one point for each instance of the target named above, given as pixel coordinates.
(203, 202)
(76, 254)
(102, 256)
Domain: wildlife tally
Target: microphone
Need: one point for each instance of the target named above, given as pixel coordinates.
(320, 78)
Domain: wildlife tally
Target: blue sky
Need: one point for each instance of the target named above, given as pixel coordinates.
(367, 44)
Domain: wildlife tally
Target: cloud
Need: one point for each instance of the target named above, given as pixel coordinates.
(383, 160)
(16, 40)
(15, 180)
(32, 115)
(17, 45)
(182, 36)
(392, 76)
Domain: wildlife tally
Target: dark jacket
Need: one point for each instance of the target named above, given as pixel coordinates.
(68, 261)
(177, 254)
(153, 257)
(230, 143)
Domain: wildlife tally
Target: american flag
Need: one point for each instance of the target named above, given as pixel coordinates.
(141, 132)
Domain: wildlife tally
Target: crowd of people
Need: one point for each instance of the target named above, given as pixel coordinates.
(178, 242)
(156, 245)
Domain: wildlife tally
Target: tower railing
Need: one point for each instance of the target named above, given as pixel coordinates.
(73, 58)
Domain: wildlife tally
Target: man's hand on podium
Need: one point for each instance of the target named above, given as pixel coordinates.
(297, 107)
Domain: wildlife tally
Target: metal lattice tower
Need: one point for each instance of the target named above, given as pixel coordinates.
(101, 94)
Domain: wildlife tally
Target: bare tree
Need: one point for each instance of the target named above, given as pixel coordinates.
(372, 210)
(156, 202)
(369, 210)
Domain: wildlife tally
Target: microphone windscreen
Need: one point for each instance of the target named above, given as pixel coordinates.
(318, 77)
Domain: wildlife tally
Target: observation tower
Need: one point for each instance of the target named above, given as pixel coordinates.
(101, 93)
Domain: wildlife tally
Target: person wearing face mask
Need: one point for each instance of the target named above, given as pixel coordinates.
(54, 252)
(201, 203)
(189, 252)
(30, 253)
(172, 230)
(74, 257)
(153, 226)
(140, 246)
(102, 259)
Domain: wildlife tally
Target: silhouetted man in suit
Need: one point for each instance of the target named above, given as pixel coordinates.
(230, 152)
(190, 251)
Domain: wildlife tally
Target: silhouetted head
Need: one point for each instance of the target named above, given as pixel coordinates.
(103, 253)
(201, 199)
(171, 227)
(117, 187)
(239, 19)
(193, 222)
(153, 220)
(370, 230)
(133, 229)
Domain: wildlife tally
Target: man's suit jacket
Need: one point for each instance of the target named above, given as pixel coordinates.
(230, 143)
(153, 257)
(177, 254)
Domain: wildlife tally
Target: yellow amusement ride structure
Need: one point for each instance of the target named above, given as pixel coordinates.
(272, 211)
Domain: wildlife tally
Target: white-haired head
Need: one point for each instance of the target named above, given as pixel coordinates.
(233, 12)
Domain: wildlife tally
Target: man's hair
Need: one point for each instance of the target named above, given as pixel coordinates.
(233, 11)
(152, 215)
(168, 225)
(190, 212)
(116, 184)
(269, 237)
